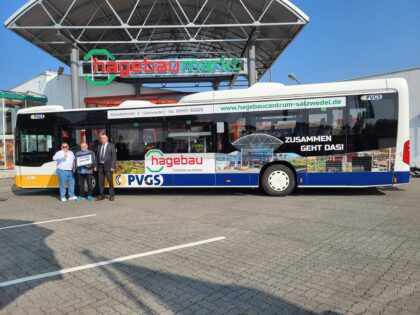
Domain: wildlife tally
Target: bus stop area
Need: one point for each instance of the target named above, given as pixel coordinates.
(187, 252)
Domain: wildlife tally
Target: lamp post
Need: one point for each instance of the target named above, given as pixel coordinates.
(293, 77)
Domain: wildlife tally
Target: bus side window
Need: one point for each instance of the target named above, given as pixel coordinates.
(372, 124)
(75, 135)
(279, 124)
(189, 134)
(234, 127)
(127, 138)
(326, 122)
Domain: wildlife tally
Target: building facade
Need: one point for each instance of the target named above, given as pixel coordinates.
(57, 89)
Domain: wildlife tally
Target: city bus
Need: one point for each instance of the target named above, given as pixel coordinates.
(277, 137)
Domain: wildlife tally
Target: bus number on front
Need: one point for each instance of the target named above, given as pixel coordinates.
(372, 97)
(37, 116)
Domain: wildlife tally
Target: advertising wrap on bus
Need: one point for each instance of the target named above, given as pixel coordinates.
(192, 163)
(223, 108)
(347, 140)
(152, 171)
(138, 180)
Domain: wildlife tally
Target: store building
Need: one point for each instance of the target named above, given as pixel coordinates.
(57, 88)
(10, 103)
(219, 43)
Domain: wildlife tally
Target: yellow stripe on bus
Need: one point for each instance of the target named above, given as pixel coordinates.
(39, 181)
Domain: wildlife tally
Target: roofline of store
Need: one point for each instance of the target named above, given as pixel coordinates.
(24, 97)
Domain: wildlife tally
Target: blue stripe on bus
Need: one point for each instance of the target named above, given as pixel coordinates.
(193, 179)
(327, 179)
(369, 178)
(234, 179)
(355, 178)
(218, 179)
(303, 180)
(402, 177)
(254, 179)
(349, 179)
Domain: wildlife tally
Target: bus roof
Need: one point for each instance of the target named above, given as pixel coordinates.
(257, 92)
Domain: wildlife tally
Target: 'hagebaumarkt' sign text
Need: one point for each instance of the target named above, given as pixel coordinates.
(100, 67)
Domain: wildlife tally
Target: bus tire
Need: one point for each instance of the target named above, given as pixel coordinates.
(278, 180)
(76, 185)
(95, 185)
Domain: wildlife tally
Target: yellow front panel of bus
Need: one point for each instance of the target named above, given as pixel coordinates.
(41, 181)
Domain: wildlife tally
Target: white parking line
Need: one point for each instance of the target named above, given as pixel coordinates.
(108, 262)
(43, 222)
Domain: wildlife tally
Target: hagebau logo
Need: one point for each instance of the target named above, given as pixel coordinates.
(156, 161)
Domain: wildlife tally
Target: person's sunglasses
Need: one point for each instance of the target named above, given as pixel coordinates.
(64, 147)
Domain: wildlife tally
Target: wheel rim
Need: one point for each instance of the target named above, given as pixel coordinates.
(278, 180)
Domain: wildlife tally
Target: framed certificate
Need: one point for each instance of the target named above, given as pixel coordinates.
(84, 160)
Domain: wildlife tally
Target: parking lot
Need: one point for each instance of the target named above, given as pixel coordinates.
(211, 252)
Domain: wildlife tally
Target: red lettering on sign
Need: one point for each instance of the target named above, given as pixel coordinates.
(96, 65)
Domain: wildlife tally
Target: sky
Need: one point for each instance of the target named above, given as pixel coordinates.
(344, 39)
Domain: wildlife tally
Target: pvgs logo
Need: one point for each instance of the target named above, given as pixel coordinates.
(373, 97)
(138, 180)
(120, 180)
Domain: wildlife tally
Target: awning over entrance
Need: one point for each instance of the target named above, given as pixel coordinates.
(160, 29)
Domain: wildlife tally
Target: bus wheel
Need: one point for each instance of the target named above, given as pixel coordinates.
(95, 185)
(278, 180)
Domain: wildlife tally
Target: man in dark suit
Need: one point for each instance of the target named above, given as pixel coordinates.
(106, 159)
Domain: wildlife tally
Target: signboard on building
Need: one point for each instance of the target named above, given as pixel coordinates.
(100, 67)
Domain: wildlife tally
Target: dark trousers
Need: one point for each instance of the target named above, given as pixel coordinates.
(81, 178)
(102, 173)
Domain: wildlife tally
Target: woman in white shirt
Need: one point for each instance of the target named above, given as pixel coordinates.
(65, 165)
